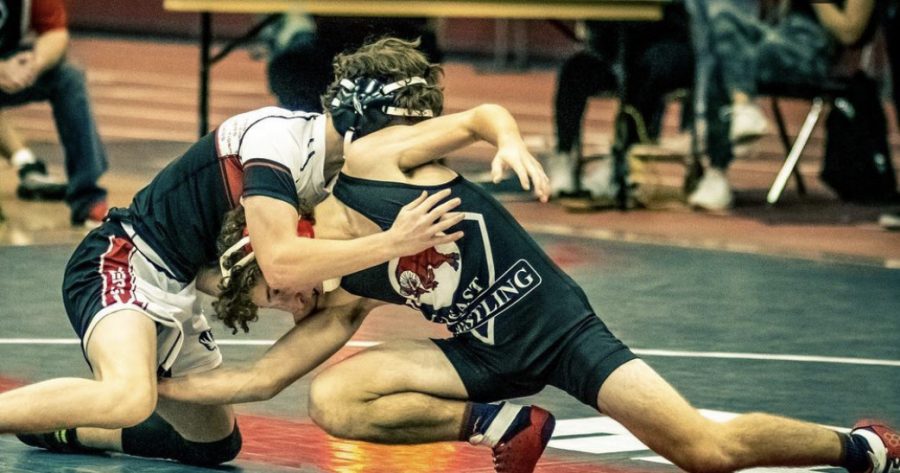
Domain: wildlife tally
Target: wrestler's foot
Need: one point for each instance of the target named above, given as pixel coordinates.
(884, 446)
(518, 436)
(61, 441)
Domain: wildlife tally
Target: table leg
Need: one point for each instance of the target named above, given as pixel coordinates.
(205, 65)
(622, 133)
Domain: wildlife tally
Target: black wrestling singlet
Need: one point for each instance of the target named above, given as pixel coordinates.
(495, 270)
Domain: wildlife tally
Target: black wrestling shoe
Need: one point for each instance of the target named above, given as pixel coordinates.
(36, 184)
(61, 441)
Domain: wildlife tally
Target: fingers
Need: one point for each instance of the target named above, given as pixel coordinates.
(524, 178)
(541, 182)
(446, 222)
(425, 202)
(447, 238)
(496, 171)
(416, 202)
(441, 210)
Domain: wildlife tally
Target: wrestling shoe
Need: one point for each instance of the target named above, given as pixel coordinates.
(61, 441)
(518, 436)
(36, 184)
(884, 446)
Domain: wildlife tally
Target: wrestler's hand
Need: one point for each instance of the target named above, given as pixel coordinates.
(421, 223)
(515, 156)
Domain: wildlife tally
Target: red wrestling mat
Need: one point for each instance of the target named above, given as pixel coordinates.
(302, 444)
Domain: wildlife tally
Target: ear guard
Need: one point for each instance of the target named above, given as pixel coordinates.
(365, 105)
(304, 229)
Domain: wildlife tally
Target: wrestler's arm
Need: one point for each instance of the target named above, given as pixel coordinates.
(290, 263)
(426, 141)
(308, 344)
(208, 280)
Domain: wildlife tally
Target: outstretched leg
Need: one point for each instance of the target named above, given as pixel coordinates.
(636, 396)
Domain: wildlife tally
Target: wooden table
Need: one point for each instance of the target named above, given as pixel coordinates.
(558, 9)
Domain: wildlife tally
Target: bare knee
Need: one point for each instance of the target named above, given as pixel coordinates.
(128, 405)
(331, 406)
(717, 450)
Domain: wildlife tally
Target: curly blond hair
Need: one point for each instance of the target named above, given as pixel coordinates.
(389, 60)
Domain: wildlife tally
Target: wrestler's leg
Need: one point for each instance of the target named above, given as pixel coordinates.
(122, 353)
(398, 392)
(636, 396)
(188, 433)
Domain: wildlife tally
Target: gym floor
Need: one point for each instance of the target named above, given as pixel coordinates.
(790, 310)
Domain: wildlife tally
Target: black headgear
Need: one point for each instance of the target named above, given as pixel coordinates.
(365, 105)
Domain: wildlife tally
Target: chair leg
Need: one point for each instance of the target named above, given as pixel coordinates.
(786, 142)
(790, 163)
(782, 128)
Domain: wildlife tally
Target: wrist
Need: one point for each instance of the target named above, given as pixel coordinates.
(386, 245)
(509, 139)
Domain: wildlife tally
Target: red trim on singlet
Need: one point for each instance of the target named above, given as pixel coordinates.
(233, 177)
(115, 269)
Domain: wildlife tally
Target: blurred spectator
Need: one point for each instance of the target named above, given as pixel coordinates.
(799, 46)
(301, 49)
(33, 68)
(891, 28)
(659, 60)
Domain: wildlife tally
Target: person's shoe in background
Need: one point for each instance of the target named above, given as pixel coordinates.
(560, 169)
(748, 123)
(713, 191)
(93, 217)
(890, 220)
(36, 184)
(597, 179)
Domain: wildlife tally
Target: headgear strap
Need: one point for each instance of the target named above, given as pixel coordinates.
(364, 105)
(304, 229)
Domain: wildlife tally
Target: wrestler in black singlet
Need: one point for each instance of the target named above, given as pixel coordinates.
(518, 321)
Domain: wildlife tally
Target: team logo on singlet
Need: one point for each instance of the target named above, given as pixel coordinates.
(430, 277)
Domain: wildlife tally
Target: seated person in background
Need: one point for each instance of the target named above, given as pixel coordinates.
(518, 322)
(799, 48)
(660, 60)
(34, 68)
(891, 28)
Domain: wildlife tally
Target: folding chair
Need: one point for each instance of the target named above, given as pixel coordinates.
(819, 95)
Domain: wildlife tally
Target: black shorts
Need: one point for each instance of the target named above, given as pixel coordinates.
(532, 352)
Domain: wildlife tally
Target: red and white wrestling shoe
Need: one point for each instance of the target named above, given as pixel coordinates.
(520, 453)
(884, 445)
